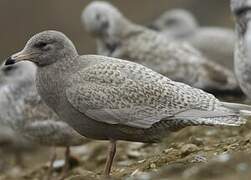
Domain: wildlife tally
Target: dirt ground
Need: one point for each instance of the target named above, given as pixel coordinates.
(192, 153)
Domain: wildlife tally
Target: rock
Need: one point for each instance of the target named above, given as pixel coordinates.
(197, 141)
(188, 149)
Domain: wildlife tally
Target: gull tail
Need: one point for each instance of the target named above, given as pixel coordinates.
(242, 109)
(225, 114)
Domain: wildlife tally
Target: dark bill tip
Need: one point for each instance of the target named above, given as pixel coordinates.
(242, 10)
(152, 27)
(9, 61)
(7, 69)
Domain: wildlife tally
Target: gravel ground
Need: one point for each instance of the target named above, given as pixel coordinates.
(192, 153)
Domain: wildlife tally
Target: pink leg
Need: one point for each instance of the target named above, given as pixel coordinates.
(50, 170)
(110, 157)
(66, 165)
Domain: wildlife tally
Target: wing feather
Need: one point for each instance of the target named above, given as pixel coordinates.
(129, 94)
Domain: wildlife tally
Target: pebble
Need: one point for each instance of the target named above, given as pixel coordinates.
(197, 141)
(224, 157)
(166, 151)
(188, 149)
(199, 159)
(242, 167)
(153, 166)
(133, 154)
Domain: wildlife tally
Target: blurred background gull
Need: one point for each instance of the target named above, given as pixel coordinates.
(21, 19)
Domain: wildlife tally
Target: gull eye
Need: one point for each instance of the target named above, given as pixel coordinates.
(40, 45)
(98, 16)
(170, 21)
(8, 69)
(242, 11)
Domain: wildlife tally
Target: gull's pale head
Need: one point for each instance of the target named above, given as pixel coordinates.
(44, 49)
(101, 18)
(176, 19)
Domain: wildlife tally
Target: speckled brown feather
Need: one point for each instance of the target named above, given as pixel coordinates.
(24, 111)
(177, 60)
(216, 43)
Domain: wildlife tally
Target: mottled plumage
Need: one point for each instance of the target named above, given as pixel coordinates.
(216, 43)
(29, 119)
(111, 99)
(176, 23)
(11, 141)
(242, 64)
(118, 37)
(23, 110)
